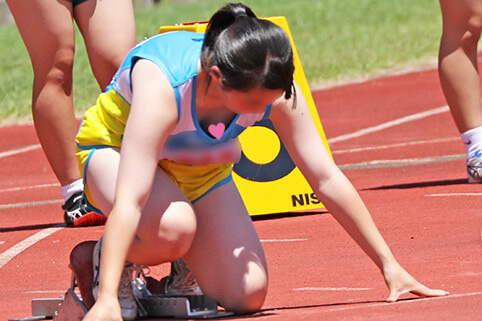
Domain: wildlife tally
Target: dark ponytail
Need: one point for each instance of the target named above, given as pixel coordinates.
(250, 52)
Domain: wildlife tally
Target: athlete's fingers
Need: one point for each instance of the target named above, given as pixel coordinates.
(426, 292)
(419, 290)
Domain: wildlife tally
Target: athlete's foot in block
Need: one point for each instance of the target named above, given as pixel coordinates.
(81, 265)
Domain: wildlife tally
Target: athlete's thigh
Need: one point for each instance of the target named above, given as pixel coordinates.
(165, 206)
(108, 28)
(226, 256)
(101, 178)
(47, 29)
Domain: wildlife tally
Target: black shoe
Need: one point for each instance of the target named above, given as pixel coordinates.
(77, 212)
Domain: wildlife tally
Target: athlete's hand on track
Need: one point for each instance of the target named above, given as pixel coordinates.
(104, 310)
(400, 282)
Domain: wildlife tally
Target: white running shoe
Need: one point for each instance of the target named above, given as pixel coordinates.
(125, 294)
(474, 167)
(181, 281)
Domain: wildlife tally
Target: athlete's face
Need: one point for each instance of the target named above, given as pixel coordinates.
(246, 102)
(249, 102)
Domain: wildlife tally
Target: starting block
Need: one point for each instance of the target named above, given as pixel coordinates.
(151, 305)
(70, 307)
(181, 307)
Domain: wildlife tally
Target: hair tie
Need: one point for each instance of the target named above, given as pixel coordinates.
(240, 15)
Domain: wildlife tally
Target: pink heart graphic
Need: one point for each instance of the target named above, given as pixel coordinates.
(216, 130)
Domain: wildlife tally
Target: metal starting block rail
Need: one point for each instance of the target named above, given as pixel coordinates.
(70, 307)
(182, 307)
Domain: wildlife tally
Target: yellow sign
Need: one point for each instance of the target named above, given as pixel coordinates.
(266, 177)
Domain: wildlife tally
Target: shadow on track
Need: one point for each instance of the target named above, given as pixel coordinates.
(272, 311)
(30, 227)
(418, 185)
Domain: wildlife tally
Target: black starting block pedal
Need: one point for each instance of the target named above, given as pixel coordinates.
(181, 307)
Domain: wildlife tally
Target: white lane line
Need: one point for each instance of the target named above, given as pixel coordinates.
(27, 204)
(401, 162)
(420, 142)
(283, 240)
(420, 300)
(46, 292)
(22, 188)
(345, 289)
(19, 150)
(15, 250)
(389, 124)
(454, 194)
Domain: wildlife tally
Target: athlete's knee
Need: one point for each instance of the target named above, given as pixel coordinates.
(56, 70)
(176, 230)
(246, 301)
(105, 64)
(249, 296)
(179, 221)
(462, 24)
(473, 30)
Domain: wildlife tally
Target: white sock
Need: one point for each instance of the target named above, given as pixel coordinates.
(472, 140)
(72, 188)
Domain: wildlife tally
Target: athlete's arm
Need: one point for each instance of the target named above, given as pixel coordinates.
(304, 144)
(152, 117)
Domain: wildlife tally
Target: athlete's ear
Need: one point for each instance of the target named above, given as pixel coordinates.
(216, 75)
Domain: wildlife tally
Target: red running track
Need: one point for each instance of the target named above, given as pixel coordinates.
(395, 141)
